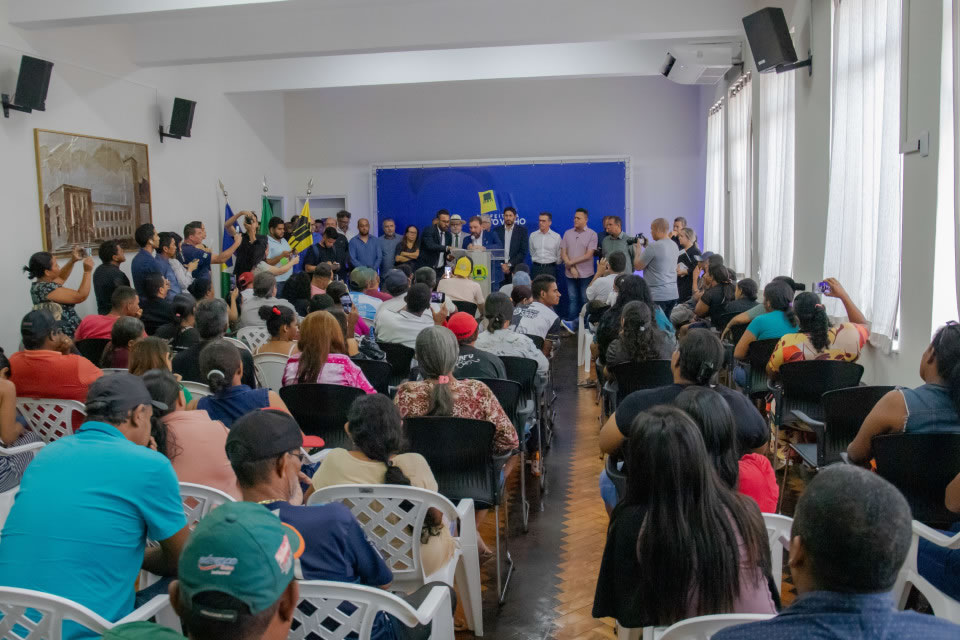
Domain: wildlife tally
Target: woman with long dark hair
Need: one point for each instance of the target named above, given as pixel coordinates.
(49, 278)
(194, 444)
(376, 430)
(408, 250)
(640, 339)
(817, 339)
(681, 543)
(124, 334)
(222, 367)
(722, 290)
(629, 288)
(751, 473)
(182, 332)
(322, 356)
(296, 291)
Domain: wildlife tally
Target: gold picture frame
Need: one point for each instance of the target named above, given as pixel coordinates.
(90, 189)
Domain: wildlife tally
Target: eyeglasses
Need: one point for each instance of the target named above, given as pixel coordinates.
(298, 453)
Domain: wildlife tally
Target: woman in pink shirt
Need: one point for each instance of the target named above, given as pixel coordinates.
(190, 439)
(323, 356)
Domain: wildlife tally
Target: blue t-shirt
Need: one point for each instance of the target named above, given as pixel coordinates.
(191, 253)
(771, 325)
(142, 264)
(230, 404)
(79, 525)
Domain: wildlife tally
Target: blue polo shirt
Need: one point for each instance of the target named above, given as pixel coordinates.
(771, 325)
(164, 263)
(142, 264)
(78, 527)
(191, 253)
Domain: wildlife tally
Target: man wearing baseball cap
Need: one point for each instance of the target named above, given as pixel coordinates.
(472, 362)
(460, 286)
(87, 504)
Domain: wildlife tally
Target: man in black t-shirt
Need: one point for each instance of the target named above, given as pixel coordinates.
(328, 250)
(253, 246)
(108, 276)
(472, 362)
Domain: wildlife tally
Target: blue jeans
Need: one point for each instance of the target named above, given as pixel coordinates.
(941, 566)
(576, 296)
(667, 306)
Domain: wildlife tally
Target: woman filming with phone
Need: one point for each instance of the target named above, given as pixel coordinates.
(817, 339)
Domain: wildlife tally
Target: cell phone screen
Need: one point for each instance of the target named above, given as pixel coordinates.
(438, 296)
(446, 272)
(347, 303)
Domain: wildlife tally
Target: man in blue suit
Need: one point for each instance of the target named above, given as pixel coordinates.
(480, 239)
(515, 240)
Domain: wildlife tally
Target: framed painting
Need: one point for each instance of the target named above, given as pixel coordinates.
(91, 189)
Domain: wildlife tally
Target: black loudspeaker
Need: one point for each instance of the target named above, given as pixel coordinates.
(182, 119)
(769, 39)
(32, 83)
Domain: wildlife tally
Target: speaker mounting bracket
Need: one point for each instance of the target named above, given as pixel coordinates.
(167, 135)
(798, 65)
(9, 106)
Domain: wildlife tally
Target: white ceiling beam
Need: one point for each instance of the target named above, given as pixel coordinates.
(43, 14)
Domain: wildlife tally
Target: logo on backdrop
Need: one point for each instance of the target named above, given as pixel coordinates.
(488, 204)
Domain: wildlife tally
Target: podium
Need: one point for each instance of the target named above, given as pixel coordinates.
(487, 260)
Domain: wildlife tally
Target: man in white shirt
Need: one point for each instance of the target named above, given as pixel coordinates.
(545, 248)
(500, 340)
(608, 269)
(460, 287)
(457, 233)
(278, 249)
(404, 325)
(539, 318)
(264, 294)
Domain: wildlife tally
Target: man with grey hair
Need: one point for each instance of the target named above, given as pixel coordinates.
(679, 224)
(264, 294)
(212, 321)
(423, 275)
(851, 533)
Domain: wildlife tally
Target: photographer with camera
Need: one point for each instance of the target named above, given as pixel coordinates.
(253, 246)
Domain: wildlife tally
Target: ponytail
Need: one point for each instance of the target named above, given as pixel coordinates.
(700, 357)
(812, 316)
(946, 348)
(184, 306)
(376, 429)
(163, 387)
(219, 363)
(276, 317)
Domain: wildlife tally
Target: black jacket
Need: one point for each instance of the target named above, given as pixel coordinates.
(432, 247)
(519, 243)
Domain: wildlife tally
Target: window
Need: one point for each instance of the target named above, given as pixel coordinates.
(776, 175)
(714, 209)
(741, 176)
(863, 247)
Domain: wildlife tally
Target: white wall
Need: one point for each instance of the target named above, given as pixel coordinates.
(238, 139)
(333, 135)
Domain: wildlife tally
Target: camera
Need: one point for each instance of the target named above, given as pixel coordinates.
(249, 219)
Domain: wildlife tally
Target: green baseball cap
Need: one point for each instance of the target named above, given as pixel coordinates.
(141, 631)
(240, 549)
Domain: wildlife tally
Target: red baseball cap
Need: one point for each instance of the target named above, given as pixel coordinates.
(462, 324)
(245, 279)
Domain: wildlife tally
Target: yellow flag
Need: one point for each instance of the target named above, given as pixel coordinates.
(488, 202)
(302, 238)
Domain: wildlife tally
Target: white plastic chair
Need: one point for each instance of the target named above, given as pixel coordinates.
(198, 500)
(111, 370)
(395, 532)
(238, 344)
(943, 605)
(6, 497)
(703, 627)
(778, 535)
(323, 599)
(253, 337)
(53, 610)
(196, 389)
(50, 418)
(270, 369)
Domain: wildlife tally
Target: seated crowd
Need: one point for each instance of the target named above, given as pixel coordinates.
(692, 535)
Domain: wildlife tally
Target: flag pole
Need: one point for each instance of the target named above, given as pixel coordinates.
(224, 288)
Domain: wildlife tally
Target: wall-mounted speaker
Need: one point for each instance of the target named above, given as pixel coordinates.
(182, 119)
(32, 85)
(769, 38)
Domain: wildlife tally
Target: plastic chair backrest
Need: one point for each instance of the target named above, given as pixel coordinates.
(238, 344)
(807, 381)
(377, 373)
(399, 356)
(703, 627)
(759, 352)
(537, 340)
(196, 389)
(270, 368)
(508, 393)
(921, 465)
(31, 615)
(778, 536)
(737, 331)
(459, 451)
(844, 411)
(253, 337)
(617, 476)
(725, 319)
(111, 370)
(466, 306)
(392, 517)
(92, 348)
(198, 500)
(522, 370)
(648, 374)
(338, 610)
(909, 576)
(50, 418)
(321, 410)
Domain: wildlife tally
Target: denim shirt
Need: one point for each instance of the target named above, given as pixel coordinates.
(930, 410)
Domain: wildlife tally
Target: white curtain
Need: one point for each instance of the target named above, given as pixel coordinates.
(714, 208)
(956, 130)
(945, 238)
(775, 126)
(741, 177)
(864, 210)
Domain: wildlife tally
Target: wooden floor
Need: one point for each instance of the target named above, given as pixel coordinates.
(557, 561)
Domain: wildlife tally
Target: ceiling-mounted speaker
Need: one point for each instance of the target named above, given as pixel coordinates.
(32, 85)
(770, 41)
(182, 119)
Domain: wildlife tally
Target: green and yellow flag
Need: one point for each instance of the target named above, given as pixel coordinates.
(302, 237)
(488, 202)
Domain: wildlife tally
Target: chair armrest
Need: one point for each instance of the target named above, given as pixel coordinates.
(932, 535)
(436, 602)
(845, 457)
(147, 611)
(23, 448)
(814, 424)
(466, 509)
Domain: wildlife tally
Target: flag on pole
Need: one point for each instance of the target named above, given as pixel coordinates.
(226, 269)
(266, 212)
(301, 237)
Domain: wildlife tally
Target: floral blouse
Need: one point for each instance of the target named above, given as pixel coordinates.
(69, 321)
(472, 399)
(846, 340)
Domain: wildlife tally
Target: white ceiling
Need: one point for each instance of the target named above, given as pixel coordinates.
(257, 45)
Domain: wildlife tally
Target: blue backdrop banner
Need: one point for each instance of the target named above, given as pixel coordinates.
(414, 195)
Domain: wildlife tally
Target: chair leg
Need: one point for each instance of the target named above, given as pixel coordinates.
(467, 581)
(502, 583)
(524, 503)
(783, 487)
